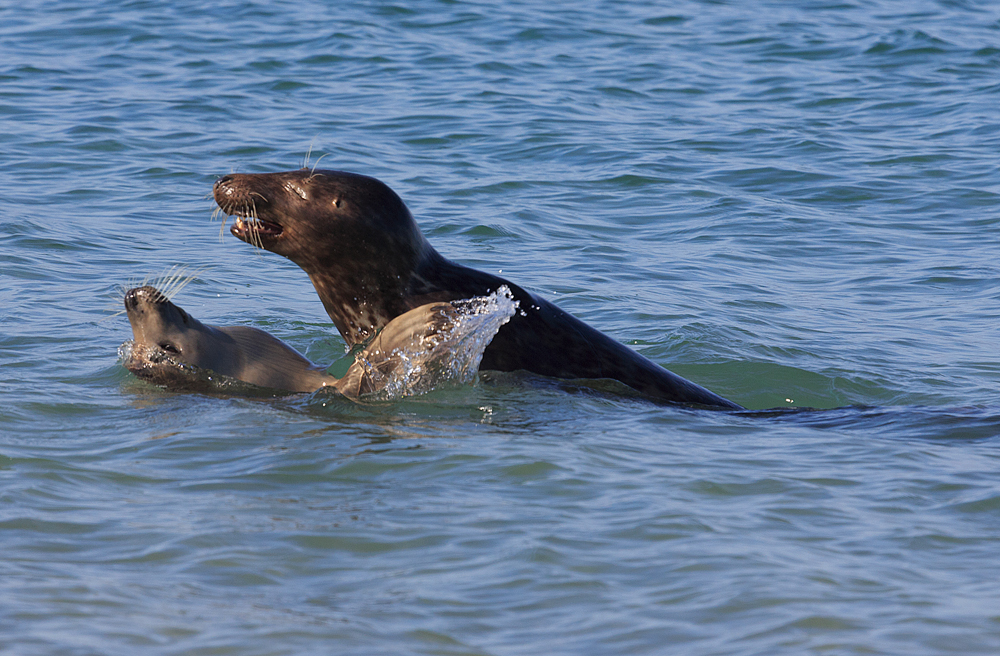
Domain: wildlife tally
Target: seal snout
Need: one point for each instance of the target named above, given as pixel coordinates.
(226, 195)
(249, 199)
(146, 295)
(131, 300)
(235, 196)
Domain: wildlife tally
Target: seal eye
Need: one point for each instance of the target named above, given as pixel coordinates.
(336, 202)
(170, 348)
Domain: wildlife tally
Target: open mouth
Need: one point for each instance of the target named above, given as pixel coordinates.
(252, 230)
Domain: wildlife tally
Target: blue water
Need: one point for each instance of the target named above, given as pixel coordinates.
(795, 204)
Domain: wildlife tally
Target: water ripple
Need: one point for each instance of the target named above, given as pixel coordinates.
(793, 204)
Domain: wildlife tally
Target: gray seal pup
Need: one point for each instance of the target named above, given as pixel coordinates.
(369, 263)
(172, 349)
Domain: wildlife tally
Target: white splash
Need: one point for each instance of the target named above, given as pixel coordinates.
(449, 357)
(125, 351)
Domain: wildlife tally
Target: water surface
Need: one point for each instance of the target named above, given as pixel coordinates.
(793, 204)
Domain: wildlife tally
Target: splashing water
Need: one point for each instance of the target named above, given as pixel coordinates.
(449, 357)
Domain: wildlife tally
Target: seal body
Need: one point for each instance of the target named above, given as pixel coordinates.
(369, 263)
(173, 349)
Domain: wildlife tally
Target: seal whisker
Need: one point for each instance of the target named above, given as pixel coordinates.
(225, 217)
(165, 284)
(255, 229)
(196, 273)
(182, 280)
(252, 225)
(170, 283)
(312, 172)
(305, 162)
(166, 277)
(117, 296)
(119, 291)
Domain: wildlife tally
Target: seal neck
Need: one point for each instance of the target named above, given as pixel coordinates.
(361, 304)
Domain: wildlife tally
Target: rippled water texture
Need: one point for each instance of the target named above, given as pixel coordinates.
(794, 204)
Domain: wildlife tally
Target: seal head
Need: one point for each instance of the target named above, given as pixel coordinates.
(359, 239)
(171, 348)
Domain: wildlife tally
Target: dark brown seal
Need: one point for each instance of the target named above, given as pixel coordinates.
(370, 263)
(174, 350)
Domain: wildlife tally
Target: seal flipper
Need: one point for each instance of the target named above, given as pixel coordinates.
(407, 348)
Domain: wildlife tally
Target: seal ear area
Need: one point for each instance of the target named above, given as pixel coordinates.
(356, 195)
(185, 317)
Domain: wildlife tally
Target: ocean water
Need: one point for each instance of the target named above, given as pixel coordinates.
(795, 204)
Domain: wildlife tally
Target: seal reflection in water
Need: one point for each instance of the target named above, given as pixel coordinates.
(370, 263)
(173, 349)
